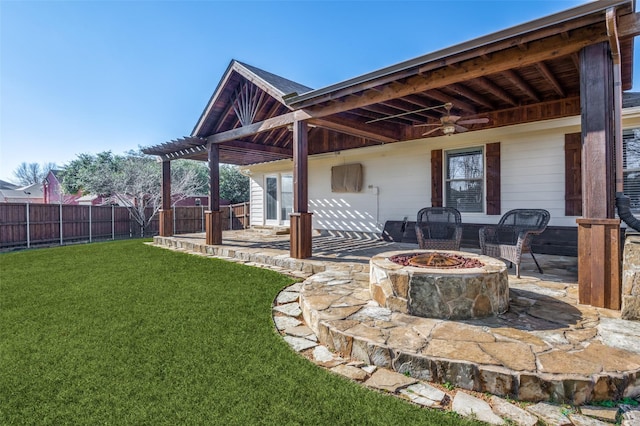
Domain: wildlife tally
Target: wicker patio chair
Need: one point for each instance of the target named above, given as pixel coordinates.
(439, 228)
(513, 235)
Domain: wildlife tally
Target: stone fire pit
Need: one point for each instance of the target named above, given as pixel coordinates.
(449, 284)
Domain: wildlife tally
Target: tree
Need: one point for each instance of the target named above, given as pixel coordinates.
(234, 186)
(28, 174)
(132, 180)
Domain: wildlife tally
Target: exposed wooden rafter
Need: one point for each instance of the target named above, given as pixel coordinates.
(548, 75)
(521, 84)
(471, 95)
(496, 90)
(376, 133)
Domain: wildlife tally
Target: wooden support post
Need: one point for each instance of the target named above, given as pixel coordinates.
(598, 138)
(213, 223)
(599, 260)
(301, 222)
(599, 248)
(301, 235)
(166, 213)
(213, 227)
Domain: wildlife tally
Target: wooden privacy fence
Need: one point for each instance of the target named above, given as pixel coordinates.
(27, 225)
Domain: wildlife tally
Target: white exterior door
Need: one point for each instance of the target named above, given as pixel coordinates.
(278, 199)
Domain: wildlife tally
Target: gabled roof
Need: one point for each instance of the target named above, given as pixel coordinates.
(235, 78)
(282, 84)
(244, 91)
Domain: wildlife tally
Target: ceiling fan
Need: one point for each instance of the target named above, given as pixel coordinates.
(450, 124)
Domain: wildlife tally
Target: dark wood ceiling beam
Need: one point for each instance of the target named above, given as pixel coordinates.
(457, 103)
(548, 75)
(521, 84)
(274, 109)
(471, 95)
(385, 111)
(397, 106)
(363, 113)
(354, 114)
(406, 108)
(549, 48)
(372, 131)
(421, 102)
(628, 25)
(496, 90)
(575, 58)
(223, 117)
(259, 127)
(271, 108)
(257, 147)
(281, 137)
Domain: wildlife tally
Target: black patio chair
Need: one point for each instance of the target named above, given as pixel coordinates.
(513, 234)
(439, 228)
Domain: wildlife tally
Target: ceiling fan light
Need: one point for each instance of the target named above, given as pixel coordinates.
(448, 130)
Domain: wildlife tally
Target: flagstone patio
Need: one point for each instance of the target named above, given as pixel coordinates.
(546, 347)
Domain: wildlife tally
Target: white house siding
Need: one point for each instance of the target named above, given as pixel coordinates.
(397, 177)
(533, 175)
(388, 190)
(256, 202)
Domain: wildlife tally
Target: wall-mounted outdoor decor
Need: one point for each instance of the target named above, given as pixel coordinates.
(346, 178)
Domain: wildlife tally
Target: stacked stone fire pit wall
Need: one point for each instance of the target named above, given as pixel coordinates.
(455, 294)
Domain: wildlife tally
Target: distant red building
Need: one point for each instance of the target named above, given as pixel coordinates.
(53, 192)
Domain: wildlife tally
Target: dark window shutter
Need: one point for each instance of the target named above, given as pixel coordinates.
(493, 178)
(573, 174)
(436, 178)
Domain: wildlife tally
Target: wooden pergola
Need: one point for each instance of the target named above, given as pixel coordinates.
(576, 62)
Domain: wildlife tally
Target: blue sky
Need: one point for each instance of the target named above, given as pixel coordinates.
(92, 76)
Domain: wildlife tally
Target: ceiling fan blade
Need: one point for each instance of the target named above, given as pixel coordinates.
(427, 124)
(474, 121)
(460, 129)
(431, 131)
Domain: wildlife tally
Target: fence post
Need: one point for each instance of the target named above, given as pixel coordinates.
(28, 228)
(61, 238)
(90, 225)
(230, 217)
(202, 218)
(174, 219)
(113, 222)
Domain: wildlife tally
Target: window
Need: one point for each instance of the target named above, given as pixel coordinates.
(272, 198)
(631, 166)
(286, 195)
(464, 180)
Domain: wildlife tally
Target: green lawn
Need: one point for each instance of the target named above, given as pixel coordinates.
(124, 333)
